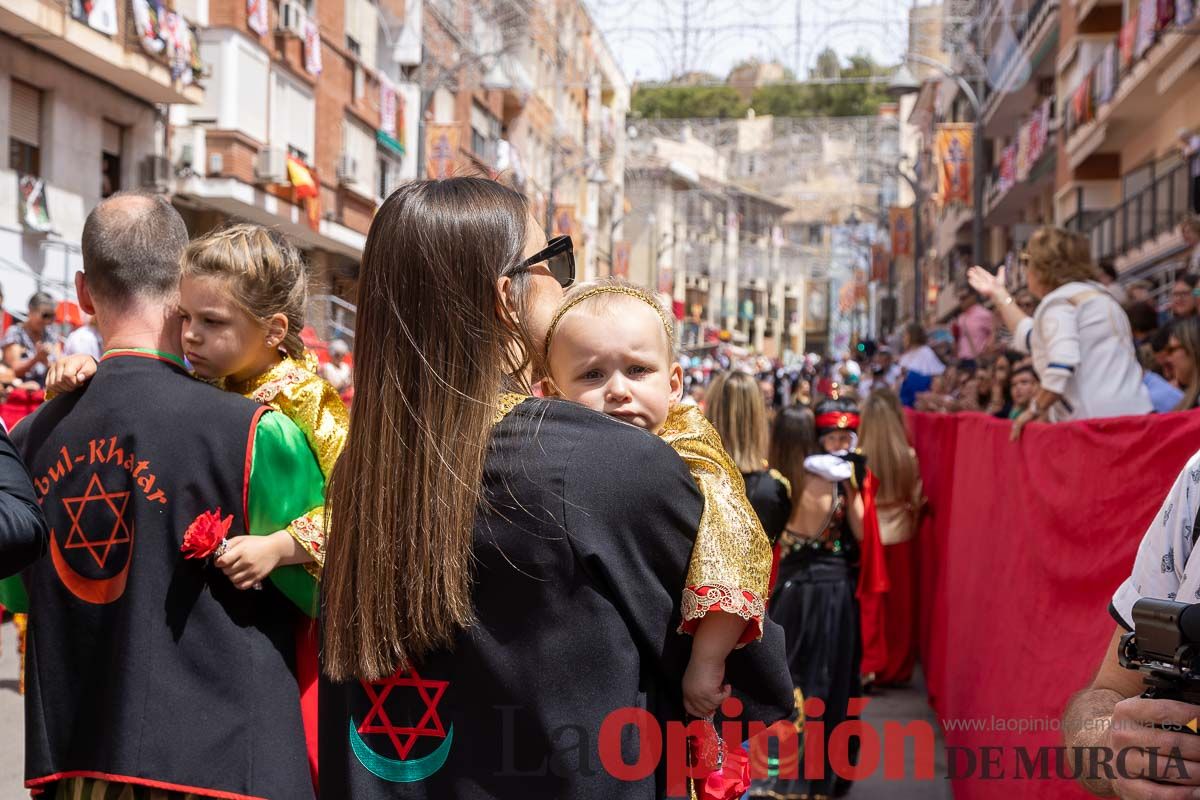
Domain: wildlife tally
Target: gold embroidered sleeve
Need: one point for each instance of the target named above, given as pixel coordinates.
(731, 559)
(309, 533)
(320, 413)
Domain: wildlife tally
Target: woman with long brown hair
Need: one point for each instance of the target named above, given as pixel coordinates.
(737, 410)
(814, 597)
(898, 504)
(502, 569)
(1183, 353)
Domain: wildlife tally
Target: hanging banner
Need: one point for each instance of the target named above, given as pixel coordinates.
(312, 47)
(900, 221)
(1083, 110)
(441, 150)
(1024, 161)
(100, 15)
(953, 152)
(256, 16)
(35, 214)
(620, 261)
(1147, 18)
(387, 106)
(880, 260)
(1008, 167)
(1125, 41)
(145, 20)
(1165, 15)
(305, 190)
(1184, 11)
(817, 309)
(564, 220)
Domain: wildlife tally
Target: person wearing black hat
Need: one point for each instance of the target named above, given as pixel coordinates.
(819, 574)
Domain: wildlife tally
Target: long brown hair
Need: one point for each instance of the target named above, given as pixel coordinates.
(735, 407)
(1187, 331)
(434, 349)
(885, 444)
(793, 439)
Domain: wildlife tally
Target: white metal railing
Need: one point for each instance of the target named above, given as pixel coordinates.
(337, 319)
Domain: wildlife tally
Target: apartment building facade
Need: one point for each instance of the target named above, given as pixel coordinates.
(1130, 76)
(82, 99)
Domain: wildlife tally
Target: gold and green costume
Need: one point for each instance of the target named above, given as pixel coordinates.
(296, 391)
(731, 561)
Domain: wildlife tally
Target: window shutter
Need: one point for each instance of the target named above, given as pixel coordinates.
(110, 139)
(26, 123)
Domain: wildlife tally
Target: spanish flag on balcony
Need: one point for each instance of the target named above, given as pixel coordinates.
(306, 189)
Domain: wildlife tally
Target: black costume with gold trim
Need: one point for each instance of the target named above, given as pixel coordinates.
(581, 546)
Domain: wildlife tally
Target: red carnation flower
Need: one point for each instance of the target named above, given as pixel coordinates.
(205, 534)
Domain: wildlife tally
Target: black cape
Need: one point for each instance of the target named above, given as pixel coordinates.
(145, 668)
(771, 501)
(581, 551)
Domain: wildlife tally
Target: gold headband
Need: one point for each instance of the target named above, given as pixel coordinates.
(628, 291)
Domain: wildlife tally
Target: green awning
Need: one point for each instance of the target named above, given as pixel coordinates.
(389, 142)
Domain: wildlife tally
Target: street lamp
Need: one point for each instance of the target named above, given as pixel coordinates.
(903, 83)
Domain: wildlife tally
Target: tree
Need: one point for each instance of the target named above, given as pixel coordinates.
(681, 102)
(825, 99)
(784, 99)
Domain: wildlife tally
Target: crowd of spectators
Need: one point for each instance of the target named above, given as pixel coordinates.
(49, 329)
(1069, 343)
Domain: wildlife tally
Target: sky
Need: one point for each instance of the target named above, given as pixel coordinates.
(654, 39)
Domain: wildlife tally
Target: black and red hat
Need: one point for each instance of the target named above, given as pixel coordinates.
(836, 414)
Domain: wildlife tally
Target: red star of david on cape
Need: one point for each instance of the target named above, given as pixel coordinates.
(403, 738)
(99, 548)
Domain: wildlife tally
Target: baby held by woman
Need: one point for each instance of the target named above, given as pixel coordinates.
(610, 347)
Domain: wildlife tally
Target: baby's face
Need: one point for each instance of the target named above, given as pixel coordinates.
(614, 360)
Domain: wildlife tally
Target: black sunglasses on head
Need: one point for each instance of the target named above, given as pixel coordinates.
(559, 258)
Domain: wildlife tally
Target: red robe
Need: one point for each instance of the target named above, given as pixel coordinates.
(873, 585)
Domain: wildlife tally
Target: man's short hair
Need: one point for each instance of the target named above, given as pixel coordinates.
(132, 244)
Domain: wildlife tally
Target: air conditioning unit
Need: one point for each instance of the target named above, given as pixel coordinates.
(271, 165)
(291, 18)
(157, 173)
(347, 168)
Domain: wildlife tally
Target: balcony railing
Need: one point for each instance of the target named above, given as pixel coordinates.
(1019, 160)
(158, 61)
(1025, 27)
(1147, 214)
(169, 39)
(1124, 53)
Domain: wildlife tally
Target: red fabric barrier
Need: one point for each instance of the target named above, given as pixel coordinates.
(1019, 554)
(20, 404)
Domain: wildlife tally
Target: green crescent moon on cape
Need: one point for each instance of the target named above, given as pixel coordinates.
(393, 770)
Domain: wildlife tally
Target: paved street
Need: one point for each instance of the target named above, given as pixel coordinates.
(904, 705)
(12, 727)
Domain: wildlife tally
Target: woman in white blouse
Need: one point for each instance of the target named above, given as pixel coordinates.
(1079, 336)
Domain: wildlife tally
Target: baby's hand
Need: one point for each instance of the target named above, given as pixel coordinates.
(704, 688)
(248, 560)
(70, 373)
